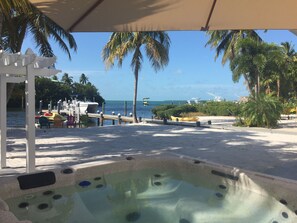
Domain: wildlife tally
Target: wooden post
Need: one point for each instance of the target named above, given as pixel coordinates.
(113, 121)
(103, 107)
(125, 108)
(119, 119)
(101, 118)
(131, 115)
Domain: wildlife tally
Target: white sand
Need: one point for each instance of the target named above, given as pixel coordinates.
(263, 150)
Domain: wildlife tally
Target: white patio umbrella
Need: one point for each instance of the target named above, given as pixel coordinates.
(152, 15)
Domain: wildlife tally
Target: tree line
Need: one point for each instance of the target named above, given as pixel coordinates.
(266, 67)
(51, 90)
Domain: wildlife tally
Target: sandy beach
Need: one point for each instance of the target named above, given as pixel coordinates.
(270, 151)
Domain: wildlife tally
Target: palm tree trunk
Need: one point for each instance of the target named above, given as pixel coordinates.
(278, 87)
(135, 94)
(248, 84)
(258, 84)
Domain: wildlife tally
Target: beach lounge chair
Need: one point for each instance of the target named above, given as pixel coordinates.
(70, 121)
(58, 121)
(43, 121)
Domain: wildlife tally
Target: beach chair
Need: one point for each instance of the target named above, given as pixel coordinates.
(44, 122)
(58, 121)
(70, 121)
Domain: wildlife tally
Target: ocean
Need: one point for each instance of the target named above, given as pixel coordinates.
(17, 118)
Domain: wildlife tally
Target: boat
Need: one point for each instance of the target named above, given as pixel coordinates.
(145, 101)
(81, 107)
(90, 107)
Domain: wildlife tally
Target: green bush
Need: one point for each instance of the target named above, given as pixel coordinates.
(160, 111)
(215, 108)
(262, 111)
(289, 108)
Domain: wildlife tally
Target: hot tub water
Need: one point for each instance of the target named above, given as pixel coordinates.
(150, 195)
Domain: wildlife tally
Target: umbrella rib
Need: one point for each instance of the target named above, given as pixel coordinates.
(92, 8)
(206, 27)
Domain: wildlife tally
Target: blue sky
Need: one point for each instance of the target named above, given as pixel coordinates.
(192, 71)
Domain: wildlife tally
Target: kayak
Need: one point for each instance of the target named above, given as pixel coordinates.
(184, 119)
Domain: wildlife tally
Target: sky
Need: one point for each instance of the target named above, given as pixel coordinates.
(192, 72)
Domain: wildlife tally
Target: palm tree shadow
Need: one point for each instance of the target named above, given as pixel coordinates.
(242, 149)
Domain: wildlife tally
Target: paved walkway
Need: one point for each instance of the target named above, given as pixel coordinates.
(263, 150)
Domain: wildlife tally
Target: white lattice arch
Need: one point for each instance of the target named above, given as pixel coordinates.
(16, 68)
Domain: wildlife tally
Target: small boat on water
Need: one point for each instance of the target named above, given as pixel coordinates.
(90, 107)
(81, 107)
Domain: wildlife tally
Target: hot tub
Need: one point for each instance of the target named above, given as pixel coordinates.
(149, 189)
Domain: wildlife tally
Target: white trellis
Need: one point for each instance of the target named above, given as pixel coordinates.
(16, 68)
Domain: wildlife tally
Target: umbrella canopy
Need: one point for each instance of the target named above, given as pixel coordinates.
(153, 15)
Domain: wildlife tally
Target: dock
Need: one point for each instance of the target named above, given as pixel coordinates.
(102, 117)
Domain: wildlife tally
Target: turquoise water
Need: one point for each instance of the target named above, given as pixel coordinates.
(149, 196)
(17, 118)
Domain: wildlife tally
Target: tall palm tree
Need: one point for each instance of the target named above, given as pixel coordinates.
(288, 58)
(225, 41)
(66, 79)
(155, 44)
(83, 79)
(255, 60)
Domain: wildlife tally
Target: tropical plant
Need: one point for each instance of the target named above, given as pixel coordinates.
(66, 79)
(254, 61)
(221, 108)
(155, 44)
(286, 67)
(262, 111)
(19, 19)
(225, 42)
(44, 91)
(83, 79)
(6, 6)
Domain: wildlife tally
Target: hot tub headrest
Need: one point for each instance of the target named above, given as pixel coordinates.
(34, 180)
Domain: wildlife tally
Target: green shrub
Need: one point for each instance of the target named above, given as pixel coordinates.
(289, 108)
(262, 111)
(160, 111)
(223, 108)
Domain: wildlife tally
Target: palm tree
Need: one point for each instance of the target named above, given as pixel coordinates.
(83, 79)
(19, 24)
(155, 44)
(6, 7)
(66, 79)
(255, 60)
(288, 58)
(18, 19)
(225, 41)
